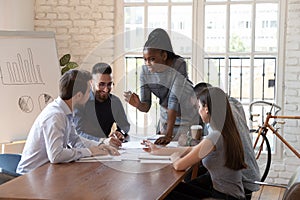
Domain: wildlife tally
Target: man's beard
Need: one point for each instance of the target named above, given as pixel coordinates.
(101, 96)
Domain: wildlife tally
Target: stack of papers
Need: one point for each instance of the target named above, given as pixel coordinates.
(100, 158)
(129, 156)
(132, 151)
(149, 158)
(138, 145)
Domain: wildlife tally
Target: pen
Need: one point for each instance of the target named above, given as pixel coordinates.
(121, 139)
(123, 133)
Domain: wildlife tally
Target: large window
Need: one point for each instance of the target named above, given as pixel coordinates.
(230, 44)
(241, 49)
(140, 18)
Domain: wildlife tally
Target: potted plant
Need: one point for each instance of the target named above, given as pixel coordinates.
(66, 64)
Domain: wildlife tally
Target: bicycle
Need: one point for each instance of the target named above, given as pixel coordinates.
(261, 139)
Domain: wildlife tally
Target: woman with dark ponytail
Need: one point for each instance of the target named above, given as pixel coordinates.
(221, 152)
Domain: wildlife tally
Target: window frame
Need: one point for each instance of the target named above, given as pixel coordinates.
(198, 53)
(199, 12)
(119, 61)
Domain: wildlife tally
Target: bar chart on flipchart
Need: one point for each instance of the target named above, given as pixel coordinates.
(29, 76)
(22, 70)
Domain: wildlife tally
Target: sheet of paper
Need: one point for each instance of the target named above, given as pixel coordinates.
(89, 161)
(129, 156)
(104, 157)
(131, 151)
(132, 145)
(153, 157)
(100, 158)
(173, 144)
(145, 161)
(153, 137)
(141, 138)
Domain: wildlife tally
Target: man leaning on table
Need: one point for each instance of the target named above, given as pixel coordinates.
(53, 137)
(95, 119)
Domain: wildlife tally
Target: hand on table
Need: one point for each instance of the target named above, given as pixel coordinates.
(117, 134)
(163, 140)
(112, 141)
(149, 146)
(175, 156)
(104, 149)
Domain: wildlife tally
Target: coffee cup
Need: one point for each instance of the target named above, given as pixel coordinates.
(196, 132)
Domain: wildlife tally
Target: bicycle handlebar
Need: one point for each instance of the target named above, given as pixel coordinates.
(261, 102)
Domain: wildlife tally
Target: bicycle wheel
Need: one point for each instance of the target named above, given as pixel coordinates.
(264, 163)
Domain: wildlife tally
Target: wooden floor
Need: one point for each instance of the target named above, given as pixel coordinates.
(268, 193)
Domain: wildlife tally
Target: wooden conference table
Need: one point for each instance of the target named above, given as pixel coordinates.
(94, 180)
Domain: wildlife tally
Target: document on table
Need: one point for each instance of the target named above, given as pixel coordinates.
(138, 145)
(145, 161)
(132, 145)
(131, 151)
(100, 158)
(149, 158)
(141, 138)
(129, 155)
(153, 137)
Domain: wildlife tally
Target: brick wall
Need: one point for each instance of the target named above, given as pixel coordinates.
(283, 168)
(79, 25)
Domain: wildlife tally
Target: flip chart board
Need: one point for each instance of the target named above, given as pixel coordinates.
(29, 75)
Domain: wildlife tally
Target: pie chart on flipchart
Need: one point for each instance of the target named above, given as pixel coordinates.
(29, 77)
(26, 104)
(44, 100)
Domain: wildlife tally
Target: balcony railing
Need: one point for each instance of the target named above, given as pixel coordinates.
(239, 72)
(239, 84)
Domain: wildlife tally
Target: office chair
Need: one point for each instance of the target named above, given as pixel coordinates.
(8, 166)
(292, 189)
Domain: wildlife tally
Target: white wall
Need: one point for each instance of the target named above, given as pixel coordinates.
(283, 168)
(17, 15)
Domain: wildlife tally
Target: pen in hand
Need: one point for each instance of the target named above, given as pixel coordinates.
(117, 135)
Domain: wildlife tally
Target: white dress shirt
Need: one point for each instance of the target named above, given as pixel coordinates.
(53, 138)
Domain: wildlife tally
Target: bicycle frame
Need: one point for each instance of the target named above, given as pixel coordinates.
(267, 126)
(262, 132)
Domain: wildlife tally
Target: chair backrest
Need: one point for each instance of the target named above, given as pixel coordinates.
(293, 188)
(9, 162)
